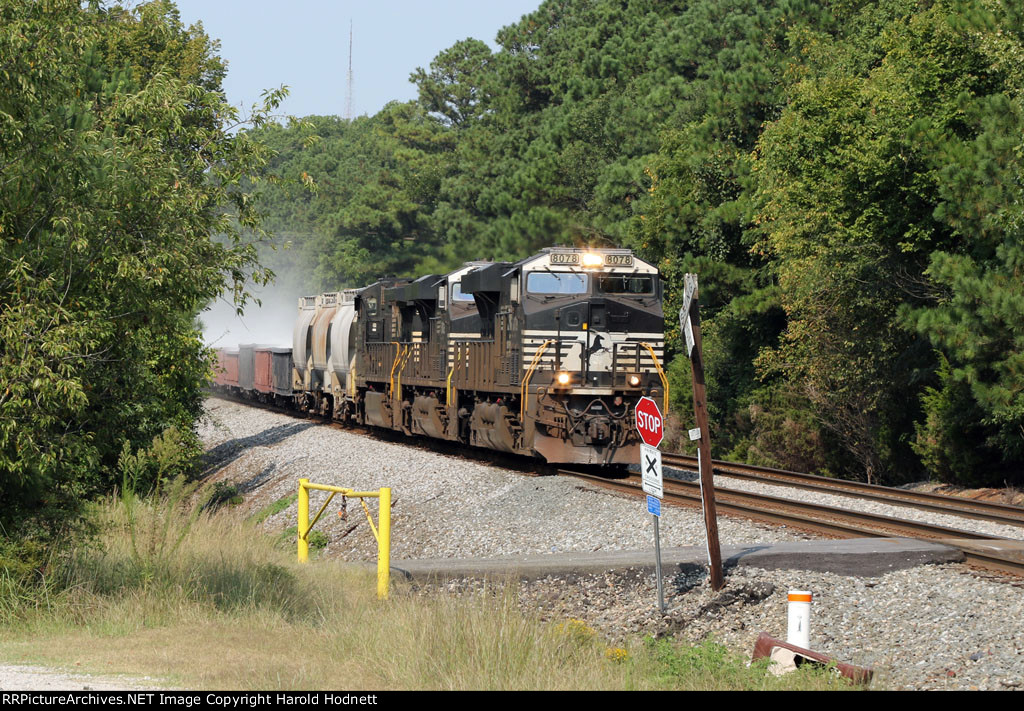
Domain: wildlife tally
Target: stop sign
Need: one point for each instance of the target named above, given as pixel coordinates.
(649, 422)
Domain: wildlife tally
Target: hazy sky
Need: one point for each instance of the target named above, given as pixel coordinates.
(304, 44)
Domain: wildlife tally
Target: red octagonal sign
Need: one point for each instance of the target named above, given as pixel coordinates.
(649, 422)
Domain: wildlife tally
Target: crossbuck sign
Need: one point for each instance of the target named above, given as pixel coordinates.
(650, 468)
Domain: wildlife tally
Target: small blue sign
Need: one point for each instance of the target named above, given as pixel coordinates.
(654, 505)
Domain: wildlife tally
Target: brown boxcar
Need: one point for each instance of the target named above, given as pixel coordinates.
(219, 368)
(263, 369)
(228, 376)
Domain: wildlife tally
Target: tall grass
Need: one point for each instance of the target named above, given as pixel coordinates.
(203, 599)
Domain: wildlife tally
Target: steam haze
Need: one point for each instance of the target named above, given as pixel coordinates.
(268, 325)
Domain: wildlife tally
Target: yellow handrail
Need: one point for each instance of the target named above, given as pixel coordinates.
(455, 366)
(404, 358)
(382, 532)
(661, 373)
(394, 362)
(524, 388)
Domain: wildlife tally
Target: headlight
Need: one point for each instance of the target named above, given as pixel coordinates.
(562, 378)
(634, 380)
(592, 260)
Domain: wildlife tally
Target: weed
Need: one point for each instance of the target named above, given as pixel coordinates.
(317, 540)
(616, 654)
(274, 508)
(222, 493)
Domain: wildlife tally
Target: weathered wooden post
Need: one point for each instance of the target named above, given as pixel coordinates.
(689, 324)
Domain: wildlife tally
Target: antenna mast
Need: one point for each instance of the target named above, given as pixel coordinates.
(348, 88)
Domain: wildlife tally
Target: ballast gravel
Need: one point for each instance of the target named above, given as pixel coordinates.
(930, 627)
(443, 506)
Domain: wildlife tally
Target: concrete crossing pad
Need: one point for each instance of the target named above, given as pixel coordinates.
(863, 557)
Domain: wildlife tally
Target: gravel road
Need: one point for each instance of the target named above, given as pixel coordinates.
(933, 627)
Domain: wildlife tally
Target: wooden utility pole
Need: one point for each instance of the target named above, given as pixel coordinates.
(689, 324)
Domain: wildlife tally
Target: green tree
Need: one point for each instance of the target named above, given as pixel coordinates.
(119, 164)
(857, 217)
(455, 89)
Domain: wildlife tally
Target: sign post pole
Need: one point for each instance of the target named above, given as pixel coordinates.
(651, 426)
(657, 565)
(689, 323)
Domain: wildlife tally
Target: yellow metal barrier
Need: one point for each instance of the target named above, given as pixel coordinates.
(382, 532)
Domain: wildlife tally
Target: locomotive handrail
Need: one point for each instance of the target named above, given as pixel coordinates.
(661, 373)
(455, 366)
(403, 361)
(394, 364)
(524, 390)
(382, 532)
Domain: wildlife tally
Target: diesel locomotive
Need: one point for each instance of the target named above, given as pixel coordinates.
(543, 357)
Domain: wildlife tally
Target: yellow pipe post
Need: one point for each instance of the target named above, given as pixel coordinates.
(303, 525)
(661, 374)
(384, 544)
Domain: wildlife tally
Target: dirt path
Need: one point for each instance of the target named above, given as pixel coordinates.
(25, 678)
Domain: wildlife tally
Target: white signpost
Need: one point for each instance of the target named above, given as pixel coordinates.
(651, 426)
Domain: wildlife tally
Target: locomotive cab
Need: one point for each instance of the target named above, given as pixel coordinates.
(592, 342)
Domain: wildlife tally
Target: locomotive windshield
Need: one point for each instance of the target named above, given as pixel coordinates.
(457, 294)
(557, 283)
(625, 284)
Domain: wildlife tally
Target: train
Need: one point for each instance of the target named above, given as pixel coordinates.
(545, 357)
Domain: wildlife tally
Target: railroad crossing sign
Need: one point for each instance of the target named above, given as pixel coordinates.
(650, 469)
(649, 422)
(685, 321)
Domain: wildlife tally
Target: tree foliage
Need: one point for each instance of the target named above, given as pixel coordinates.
(119, 164)
(844, 176)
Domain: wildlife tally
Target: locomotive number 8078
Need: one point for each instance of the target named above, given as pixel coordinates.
(543, 357)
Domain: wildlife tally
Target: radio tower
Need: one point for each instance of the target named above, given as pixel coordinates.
(348, 88)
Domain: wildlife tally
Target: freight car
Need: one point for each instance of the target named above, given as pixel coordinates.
(543, 357)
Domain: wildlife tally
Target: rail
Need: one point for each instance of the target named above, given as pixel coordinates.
(978, 548)
(382, 532)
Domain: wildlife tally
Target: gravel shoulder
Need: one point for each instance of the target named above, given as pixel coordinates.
(931, 627)
(14, 677)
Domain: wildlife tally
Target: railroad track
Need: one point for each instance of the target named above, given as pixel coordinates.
(940, 503)
(979, 549)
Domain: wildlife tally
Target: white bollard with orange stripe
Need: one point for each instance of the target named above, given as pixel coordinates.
(799, 632)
